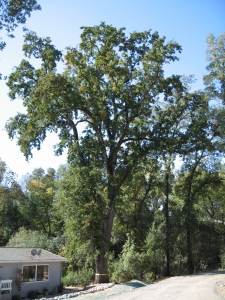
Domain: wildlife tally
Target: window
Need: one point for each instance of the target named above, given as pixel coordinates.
(35, 273)
(29, 273)
(42, 273)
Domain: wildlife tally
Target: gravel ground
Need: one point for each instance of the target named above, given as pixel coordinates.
(96, 291)
(114, 291)
(204, 286)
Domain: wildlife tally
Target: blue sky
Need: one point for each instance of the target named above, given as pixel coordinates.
(187, 22)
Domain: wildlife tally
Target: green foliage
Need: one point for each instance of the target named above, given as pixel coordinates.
(130, 264)
(13, 13)
(134, 121)
(137, 200)
(79, 253)
(111, 85)
(39, 208)
(81, 202)
(82, 277)
(215, 79)
(30, 238)
(223, 260)
(194, 188)
(154, 248)
(11, 199)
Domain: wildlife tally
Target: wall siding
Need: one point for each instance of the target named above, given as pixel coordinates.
(9, 270)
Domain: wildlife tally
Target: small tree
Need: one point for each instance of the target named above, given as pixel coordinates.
(130, 263)
(155, 250)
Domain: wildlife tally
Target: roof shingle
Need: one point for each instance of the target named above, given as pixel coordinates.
(16, 254)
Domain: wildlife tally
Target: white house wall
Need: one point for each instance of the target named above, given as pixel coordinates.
(9, 270)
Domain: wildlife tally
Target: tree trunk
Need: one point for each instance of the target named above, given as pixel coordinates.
(101, 264)
(189, 214)
(189, 251)
(189, 242)
(167, 237)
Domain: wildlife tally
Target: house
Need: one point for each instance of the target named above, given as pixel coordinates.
(28, 269)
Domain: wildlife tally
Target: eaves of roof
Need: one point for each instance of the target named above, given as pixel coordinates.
(33, 261)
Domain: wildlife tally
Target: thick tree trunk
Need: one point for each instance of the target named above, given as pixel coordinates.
(101, 275)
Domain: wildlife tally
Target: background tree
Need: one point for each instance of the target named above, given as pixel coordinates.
(177, 121)
(136, 205)
(215, 79)
(39, 208)
(194, 180)
(34, 238)
(11, 199)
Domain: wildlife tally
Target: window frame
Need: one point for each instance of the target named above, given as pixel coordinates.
(35, 277)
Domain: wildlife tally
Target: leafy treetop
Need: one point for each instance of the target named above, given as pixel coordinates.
(215, 79)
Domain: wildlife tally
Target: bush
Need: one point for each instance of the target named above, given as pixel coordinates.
(130, 264)
(154, 258)
(222, 257)
(33, 294)
(82, 277)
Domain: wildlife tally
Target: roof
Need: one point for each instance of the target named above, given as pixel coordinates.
(16, 254)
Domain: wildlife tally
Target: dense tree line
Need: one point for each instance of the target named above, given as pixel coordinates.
(121, 206)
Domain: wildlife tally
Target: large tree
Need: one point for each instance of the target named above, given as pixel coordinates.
(113, 88)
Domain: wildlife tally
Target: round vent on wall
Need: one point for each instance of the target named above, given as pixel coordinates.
(33, 252)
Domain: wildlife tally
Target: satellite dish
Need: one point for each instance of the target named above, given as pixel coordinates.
(39, 252)
(33, 252)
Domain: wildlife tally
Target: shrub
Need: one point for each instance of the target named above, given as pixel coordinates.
(33, 294)
(130, 264)
(222, 257)
(82, 277)
(154, 258)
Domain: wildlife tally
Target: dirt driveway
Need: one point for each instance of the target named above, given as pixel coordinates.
(205, 286)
